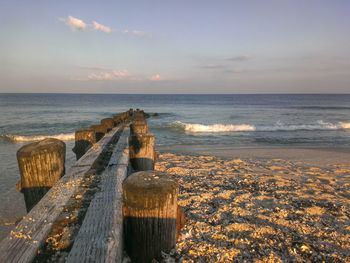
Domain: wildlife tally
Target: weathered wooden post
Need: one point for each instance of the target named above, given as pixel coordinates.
(41, 165)
(117, 119)
(109, 123)
(84, 139)
(150, 211)
(139, 115)
(139, 127)
(100, 131)
(126, 116)
(141, 151)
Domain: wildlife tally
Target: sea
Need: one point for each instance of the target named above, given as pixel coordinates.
(185, 120)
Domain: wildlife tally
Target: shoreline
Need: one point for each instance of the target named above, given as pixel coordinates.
(321, 156)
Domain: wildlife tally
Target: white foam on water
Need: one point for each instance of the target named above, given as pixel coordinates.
(30, 138)
(219, 127)
(278, 126)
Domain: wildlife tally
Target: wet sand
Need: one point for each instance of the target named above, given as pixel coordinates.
(269, 205)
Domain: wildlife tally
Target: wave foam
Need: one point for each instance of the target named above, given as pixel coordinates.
(212, 128)
(218, 127)
(30, 138)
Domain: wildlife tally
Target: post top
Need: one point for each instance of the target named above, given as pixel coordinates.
(149, 189)
(43, 145)
(84, 130)
(149, 181)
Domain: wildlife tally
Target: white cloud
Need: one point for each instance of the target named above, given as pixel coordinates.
(155, 77)
(78, 24)
(75, 23)
(109, 75)
(100, 27)
(115, 75)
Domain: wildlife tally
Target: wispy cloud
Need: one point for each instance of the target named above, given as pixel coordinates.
(212, 66)
(100, 27)
(234, 71)
(74, 23)
(92, 68)
(111, 75)
(239, 58)
(97, 74)
(136, 33)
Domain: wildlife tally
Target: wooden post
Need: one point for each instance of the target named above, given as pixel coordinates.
(100, 131)
(109, 123)
(139, 114)
(117, 119)
(41, 165)
(84, 139)
(126, 116)
(139, 127)
(121, 117)
(150, 211)
(141, 150)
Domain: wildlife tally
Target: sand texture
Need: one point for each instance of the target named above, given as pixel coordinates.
(260, 210)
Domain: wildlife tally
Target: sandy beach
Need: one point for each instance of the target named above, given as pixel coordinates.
(261, 205)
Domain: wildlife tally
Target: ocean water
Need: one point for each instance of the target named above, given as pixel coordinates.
(237, 120)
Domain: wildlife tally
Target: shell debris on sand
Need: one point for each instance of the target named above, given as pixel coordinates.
(260, 210)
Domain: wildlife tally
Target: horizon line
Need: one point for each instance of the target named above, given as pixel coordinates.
(267, 93)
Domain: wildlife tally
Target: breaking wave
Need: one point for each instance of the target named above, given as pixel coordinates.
(30, 138)
(194, 127)
(212, 128)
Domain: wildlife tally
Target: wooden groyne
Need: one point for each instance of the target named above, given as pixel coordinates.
(108, 202)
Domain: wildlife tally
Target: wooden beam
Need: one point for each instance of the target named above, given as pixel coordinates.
(22, 244)
(100, 238)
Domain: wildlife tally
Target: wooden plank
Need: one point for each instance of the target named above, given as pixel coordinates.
(118, 153)
(22, 244)
(100, 238)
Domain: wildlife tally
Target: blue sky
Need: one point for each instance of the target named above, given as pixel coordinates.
(247, 46)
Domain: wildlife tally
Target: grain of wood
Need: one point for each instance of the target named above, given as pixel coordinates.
(142, 154)
(150, 211)
(100, 238)
(22, 244)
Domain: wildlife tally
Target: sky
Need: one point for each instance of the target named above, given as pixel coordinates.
(182, 46)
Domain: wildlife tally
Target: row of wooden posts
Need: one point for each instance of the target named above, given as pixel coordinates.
(85, 138)
(152, 218)
(42, 164)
